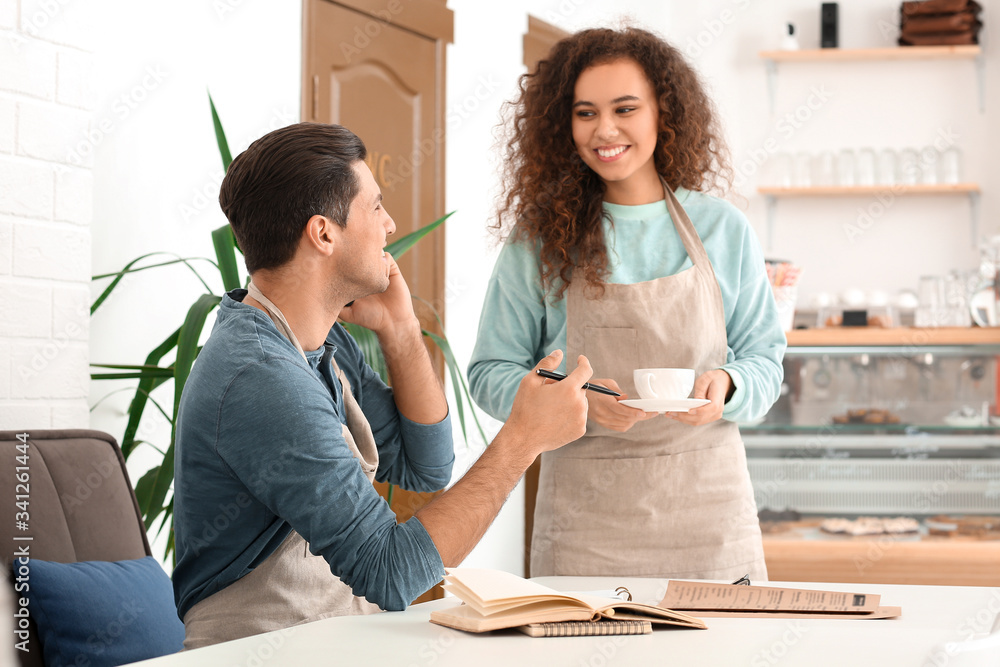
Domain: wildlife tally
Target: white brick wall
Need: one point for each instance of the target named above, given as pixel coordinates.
(28, 66)
(46, 97)
(8, 125)
(47, 131)
(27, 188)
(74, 195)
(25, 310)
(4, 373)
(6, 247)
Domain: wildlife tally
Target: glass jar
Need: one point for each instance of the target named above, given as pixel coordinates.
(929, 165)
(909, 167)
(845, 167)
(886, 169)
(823, 169)
(866, 167)
(803, 178)
(951, 166)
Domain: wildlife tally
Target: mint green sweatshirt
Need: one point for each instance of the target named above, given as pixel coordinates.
(519, 325)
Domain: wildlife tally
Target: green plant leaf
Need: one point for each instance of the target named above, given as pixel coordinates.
(458, 384)
(220, 136)
(160, 486)
(117, 376)
(128, 269)
(150, 445)
(179, 260)
(187, 342)
(152, 368)
(144, 492)
(225, 242)
(146, 384)
(368, 342)
(399, 247)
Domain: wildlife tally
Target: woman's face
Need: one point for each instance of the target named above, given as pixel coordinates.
(615, 116)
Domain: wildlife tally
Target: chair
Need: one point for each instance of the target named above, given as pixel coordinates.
(81, 504)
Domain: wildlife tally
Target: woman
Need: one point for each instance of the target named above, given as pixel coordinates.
(617, 254)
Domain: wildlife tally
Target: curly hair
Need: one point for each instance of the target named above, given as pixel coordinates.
(550, 196)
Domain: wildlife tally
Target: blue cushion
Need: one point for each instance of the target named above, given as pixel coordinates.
(101, 613)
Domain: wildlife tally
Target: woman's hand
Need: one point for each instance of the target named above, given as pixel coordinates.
(713, 385)
(609, 413)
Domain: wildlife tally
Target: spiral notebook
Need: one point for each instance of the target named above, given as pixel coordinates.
(587, 628)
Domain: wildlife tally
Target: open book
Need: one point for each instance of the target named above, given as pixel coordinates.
(495, 600)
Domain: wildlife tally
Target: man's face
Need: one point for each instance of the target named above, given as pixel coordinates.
(361, 261)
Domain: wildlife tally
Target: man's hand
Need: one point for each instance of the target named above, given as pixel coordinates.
(385, 311)
(548, 414)
(713, 385)
(609, 412)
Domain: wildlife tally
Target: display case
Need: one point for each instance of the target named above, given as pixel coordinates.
(893, 424)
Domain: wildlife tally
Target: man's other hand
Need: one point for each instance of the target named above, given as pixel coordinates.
(548, 414)
(386, 310)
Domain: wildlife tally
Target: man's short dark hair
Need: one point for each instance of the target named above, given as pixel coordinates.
(283, 179)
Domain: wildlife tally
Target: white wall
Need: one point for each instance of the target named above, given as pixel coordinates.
(871, 104)
(45, 216)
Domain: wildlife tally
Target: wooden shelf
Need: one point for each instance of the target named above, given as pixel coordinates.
(884, 560)
(885, 53)
(869, 190)
(905, 336)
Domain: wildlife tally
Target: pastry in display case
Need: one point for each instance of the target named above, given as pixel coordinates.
(880, 462)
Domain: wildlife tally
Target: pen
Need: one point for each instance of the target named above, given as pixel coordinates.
(552, 375)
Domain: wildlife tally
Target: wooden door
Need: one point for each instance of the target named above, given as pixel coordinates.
(537, 42)
(378, 68)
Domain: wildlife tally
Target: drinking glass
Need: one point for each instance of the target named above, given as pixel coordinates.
(951, 166)
(956, 294)
(909, 167)
(823, 169)
(886, 167)
(928, 165)
(933, 308)
(802, 176)
(866, 167)
(845, 167)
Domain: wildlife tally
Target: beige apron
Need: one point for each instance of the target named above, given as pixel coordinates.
(291, 586)
(663, 499)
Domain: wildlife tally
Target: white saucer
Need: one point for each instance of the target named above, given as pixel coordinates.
(665, 404)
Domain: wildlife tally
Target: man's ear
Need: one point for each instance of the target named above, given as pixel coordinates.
(321, 234)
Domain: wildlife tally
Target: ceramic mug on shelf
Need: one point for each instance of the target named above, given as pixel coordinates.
(663, 383)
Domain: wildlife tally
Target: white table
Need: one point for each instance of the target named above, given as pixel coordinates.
(932, 616)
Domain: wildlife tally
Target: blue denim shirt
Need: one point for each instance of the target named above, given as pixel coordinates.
(260, 452)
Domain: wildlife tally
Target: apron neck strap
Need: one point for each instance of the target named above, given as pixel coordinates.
(279, 320)
(685, 228)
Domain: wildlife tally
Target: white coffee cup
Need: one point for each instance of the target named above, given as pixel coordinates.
(663, 383)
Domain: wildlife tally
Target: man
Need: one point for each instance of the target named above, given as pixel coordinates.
(282, 426)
